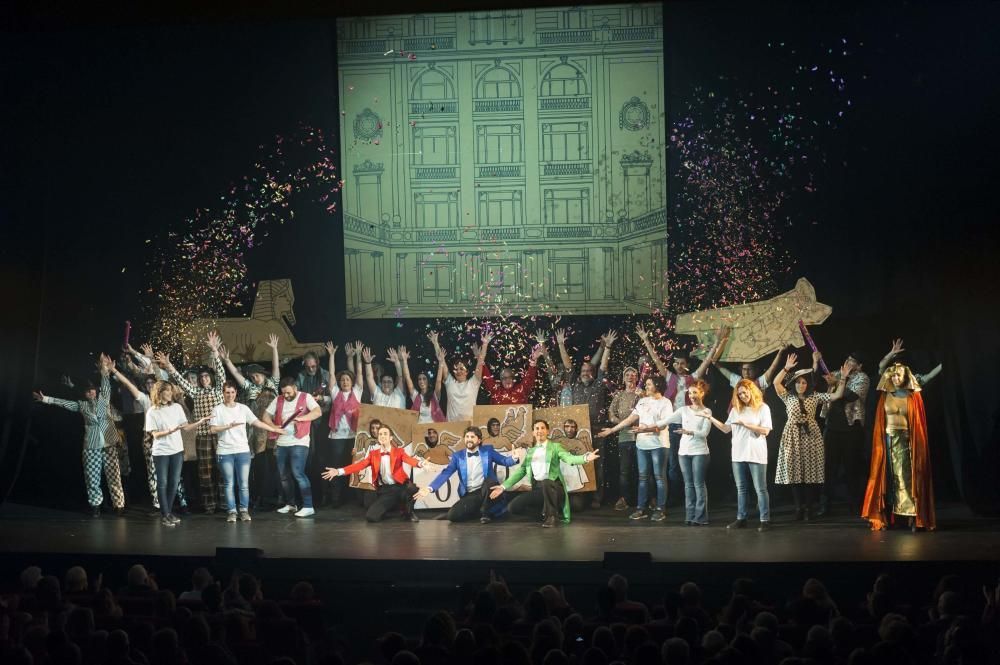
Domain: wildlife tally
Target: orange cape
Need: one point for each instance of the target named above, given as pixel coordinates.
(874, 509)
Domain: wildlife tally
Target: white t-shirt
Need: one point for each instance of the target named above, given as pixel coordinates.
(651, 412)
(143, 403)
(761, 380)
(287, 410)
(697, 443)
(344, 430)
(233, 440)
(682, 389)
(461, 396)
(747, 445)
(394, 400)
(425, 408)
(161, 419)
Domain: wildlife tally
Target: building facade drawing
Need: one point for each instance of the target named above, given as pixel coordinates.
(512, 158)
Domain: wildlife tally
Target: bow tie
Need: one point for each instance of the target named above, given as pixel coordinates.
(475, 454)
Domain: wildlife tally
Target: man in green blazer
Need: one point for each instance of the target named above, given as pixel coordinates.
(541, 465)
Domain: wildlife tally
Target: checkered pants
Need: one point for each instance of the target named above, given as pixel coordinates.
(147, 453)
(103, 461)
(210, 484)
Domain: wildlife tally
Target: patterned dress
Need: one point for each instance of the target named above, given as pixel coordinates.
(800, 457)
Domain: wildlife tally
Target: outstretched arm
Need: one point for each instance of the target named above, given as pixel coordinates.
(779, 381)
(608, 431)
(122, 379)
(922, 379)
(214, 341)
(567, 361)
(366, 356)
(404, 360)
(439, 379)
(331, 352)
(769, 374)
(644, 336)
(607, 340)
(224, 355)
(272, 341)
(163, 360)
(393, 356)
(897, 348)
(481, 360)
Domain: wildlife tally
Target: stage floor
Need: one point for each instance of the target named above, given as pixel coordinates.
(343, 534)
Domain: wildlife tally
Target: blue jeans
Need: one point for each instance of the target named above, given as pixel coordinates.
(674, 475)
(238, 465)
(651, 459)
(758, 473)
(168, 476)
(294, 457)
(695, 468)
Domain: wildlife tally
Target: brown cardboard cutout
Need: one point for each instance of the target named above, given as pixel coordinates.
(246, 337)
(513, 421)
(449, 439)
(758, 328)
(576, 478)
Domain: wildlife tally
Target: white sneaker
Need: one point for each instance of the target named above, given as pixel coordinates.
(288, 508)
(305, 512)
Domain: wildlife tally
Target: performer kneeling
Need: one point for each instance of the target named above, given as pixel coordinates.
(393, 487)
(548, 491)
(476, 477)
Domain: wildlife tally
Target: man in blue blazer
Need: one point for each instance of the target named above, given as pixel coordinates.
(476, 476)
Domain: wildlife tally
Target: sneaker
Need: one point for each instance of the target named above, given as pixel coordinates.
(764, 526)
(244, 516)
(412, 516)
(621, 504)
(658, 516)
(305, 512)
(485, 519)
(639, 515)
(173, 518)
(166, 521)
(287, 508)
(549, 522)
(231, 517)
(738, 524)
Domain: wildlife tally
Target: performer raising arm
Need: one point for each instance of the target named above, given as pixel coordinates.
(345, 407)
(900, 428)
(747, 369)
(426, 398)
(259, 380)
(508, 392)
(463, 390)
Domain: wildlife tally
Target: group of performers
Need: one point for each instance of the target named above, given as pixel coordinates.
(658, 414)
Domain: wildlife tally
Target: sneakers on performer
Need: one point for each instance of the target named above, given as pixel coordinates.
(305, 512)
(764, 526)
(166, 521)
(639, 515)
(485, 519)
(621, 504)
(173, 518)
(658, 516)
(549, 522)
(231, 517)
(287, 508)
(244, 516)
(738, 524)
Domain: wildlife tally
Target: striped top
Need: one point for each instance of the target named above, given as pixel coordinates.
(95, 414)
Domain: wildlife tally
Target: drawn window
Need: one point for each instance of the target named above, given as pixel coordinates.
(574, 19)
(567, 206)
(563, 80)
(565, 142)
(434, 145)
(421, 26)
(435, 210)
(496, 26)
(500, 208)
(498, 83)
(498, 144)
(433, 84)
(436, 284)
(569, 279)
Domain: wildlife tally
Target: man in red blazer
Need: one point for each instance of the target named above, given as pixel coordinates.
(393, 487)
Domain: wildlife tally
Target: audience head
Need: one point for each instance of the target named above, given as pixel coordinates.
(137, 576)
(29, 577)
(76, 580)
(619, 585)
(200, 579)
(676, 651)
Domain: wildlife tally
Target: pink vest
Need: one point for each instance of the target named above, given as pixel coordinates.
(301, 429)
(437, 415)
(345, 406)
(672, 387)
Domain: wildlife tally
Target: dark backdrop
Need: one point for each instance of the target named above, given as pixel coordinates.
(119, 124)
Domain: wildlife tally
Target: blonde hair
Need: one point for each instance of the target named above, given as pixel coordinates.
(157, 389)
(756, 396)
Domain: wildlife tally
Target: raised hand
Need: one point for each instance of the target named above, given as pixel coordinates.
(147, 350)
(213, 340)
(433, 337)
(66, 381)
(791, 361)
(897, 347)
(272, 341)
(330, 348)
(486, 337)
(39, 397)
(641, 332)
(540, 337)
(441, 354)
(846, 369)
(366, 355)
(392, 355)
(223, 352)
(536, 353)
(561, 336)
(330, 473)
(349, 349)
(476, 349)
(609, 338)
(404, 355)
(162, 359)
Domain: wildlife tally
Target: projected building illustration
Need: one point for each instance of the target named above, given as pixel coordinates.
(513, 157)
